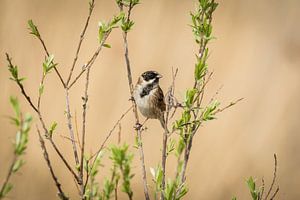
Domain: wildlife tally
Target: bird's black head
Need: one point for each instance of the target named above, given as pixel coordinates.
(150, 75)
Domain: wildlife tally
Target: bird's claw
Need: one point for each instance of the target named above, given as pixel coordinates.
(138, 126)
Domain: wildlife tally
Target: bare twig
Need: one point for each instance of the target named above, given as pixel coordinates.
(273, 181)
(138, 130)
(91, 61)
(95, 155)
(70, 126)
(169, 104)
(64, 160)
(228, 106)
(92, 5)
(61, 194)
(84, 112)
(275, 193)
(76, 129)
(110, 132)
(262, 189)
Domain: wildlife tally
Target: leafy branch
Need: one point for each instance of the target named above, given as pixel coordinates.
(23, 124)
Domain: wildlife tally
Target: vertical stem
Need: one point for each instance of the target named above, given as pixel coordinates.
(8, 176)
(69, 118)
(85, 100)
(138, 131)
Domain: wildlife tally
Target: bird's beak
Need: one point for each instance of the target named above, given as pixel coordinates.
(159, 76)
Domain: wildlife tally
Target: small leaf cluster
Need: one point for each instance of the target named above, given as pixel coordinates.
(255, 193)
(127, 3)
(106, 27)
(157, 175)
(122, 159)
(92, 189)
(194, 113)
(48, 64)
(121, 169)
(33, 29)
(14, 72)
(201, 20)
(20, 143)
(174, 189)
(23, 124)
(127, 23)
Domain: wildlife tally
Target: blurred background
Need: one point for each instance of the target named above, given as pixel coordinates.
(255, 56)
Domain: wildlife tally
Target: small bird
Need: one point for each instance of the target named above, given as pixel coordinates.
(149, 97)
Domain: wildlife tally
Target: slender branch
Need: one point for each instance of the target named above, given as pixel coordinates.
(169, 103)
(275, 193)
(47, 53)
(10, 66)
(95, 155)
(91, 60)
(40, 93)
(64, 160)
(110, 132)
(92, 5)
(274, 179)
(262, 189)
(10, 171)
(84, 107)
(70, 127)
(138, 130)
(76, 130)
(61, 194)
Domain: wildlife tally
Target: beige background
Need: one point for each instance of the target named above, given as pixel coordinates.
(255, 56)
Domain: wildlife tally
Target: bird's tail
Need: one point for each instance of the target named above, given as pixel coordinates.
(163, 124)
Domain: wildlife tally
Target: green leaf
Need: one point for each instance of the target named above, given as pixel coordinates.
(52, 128)
(17, 165)
(33, 28)
(107, 45)
(15, 104)
(7, 188)
(48, 64)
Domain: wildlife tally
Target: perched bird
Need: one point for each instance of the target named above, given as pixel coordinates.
(149, 97)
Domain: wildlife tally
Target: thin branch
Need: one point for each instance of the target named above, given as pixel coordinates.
(274, 179)
(275, 193)
(70, 127)
(95, 155)
(61, 194)
(84, 107)
(64, 160)
(169, 103)
(10, 65)
(47, 53)
(10, 171)
(110, 133)
(228, 106)
(76, 129)
(42, 122)
(262, 189)
(138, 130)
(92, 5)
(91, 60)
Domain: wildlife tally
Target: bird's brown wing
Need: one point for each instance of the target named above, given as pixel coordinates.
(158, 102)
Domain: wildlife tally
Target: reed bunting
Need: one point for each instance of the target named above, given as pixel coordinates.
(149, 97)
